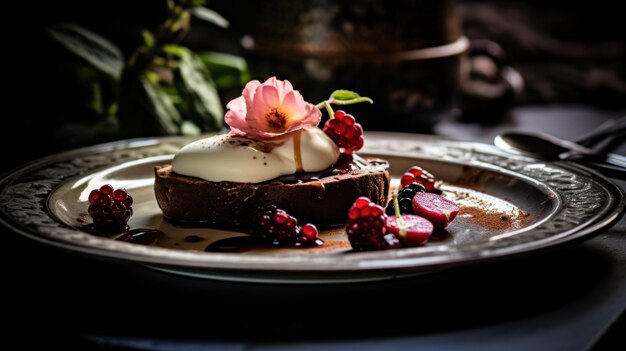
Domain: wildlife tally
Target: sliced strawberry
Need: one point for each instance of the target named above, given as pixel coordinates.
(416, 231)
(435, 208)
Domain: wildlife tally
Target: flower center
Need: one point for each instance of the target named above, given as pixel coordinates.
(276, 120)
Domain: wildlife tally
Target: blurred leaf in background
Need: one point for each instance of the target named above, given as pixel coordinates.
(163, 88)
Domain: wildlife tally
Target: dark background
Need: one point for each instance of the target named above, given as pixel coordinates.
(567, 53)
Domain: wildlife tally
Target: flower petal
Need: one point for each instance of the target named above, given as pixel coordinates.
(258, 106)
(249, 90)
(295, 105)
(236, 115)
(270, 95)
(312, 117)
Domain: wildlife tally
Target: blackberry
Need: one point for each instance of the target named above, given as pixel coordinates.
(405, 199)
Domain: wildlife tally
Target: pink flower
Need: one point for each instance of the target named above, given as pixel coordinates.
(268, 110)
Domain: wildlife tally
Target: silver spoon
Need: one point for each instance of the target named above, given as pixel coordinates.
(548, 147)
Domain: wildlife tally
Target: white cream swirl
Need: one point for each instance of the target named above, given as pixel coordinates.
(234, 158)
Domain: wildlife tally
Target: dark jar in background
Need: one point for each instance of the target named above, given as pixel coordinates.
(405, 55)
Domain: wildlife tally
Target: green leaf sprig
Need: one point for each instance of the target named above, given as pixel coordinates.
(342, 97)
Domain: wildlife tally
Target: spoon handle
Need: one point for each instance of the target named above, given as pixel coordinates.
(611, 143)
(607, 129)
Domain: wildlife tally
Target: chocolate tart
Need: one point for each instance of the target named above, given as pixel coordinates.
(322, 198)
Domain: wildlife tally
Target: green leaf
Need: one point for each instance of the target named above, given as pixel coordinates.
(198, 91)
(188, 128)
(93, 48)
(148, 38)
(347, 97)
(227, 70)
(211, 16)
(161, 106)
(175, 50)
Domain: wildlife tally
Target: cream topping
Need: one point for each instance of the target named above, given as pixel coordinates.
(233, 158)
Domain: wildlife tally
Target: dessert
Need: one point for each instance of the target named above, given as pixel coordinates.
(277, 177)
(276, 168)
(275, 155)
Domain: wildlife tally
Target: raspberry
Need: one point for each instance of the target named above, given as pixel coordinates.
(366, 227)
(345, 132)
(110, 209)
(406, 179)
(423, 177)
(279, 228)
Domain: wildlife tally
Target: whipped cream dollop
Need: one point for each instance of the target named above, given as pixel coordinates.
(235, 158)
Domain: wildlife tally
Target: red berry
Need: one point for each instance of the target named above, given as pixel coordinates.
(110, 209)
(309, 230)
(362, 201)
(416, 232)
(428, 183)
(292, 222)
(353, 213)
(105, 201)
(118, 210)
(359, 143)
(106, 189)
(348, 120)
(422, 177)
(406, 179)
(351, 133)
(366, 226)
(340, 128)
(415, 171)
(94, 195)
(277, 227)
(280, 217)
(120, 195)
(436, 208)
(345, 132)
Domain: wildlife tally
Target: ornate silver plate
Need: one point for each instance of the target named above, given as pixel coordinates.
(543, 205)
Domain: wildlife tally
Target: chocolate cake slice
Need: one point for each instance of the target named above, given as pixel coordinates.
(321, 198)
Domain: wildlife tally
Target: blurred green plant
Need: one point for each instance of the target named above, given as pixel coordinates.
(163, 88)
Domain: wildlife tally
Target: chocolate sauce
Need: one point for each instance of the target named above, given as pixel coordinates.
(344, 165)
(193, 239)
(240, 244)
(235, 244)
(142, 236)
(320, 189)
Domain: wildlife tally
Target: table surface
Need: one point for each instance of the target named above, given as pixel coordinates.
(562, 299)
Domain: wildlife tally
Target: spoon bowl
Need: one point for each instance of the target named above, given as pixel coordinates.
(539, 145)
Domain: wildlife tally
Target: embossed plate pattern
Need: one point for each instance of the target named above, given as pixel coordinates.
(576, 203)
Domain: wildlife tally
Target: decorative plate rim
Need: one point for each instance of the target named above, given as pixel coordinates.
(24, 194)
